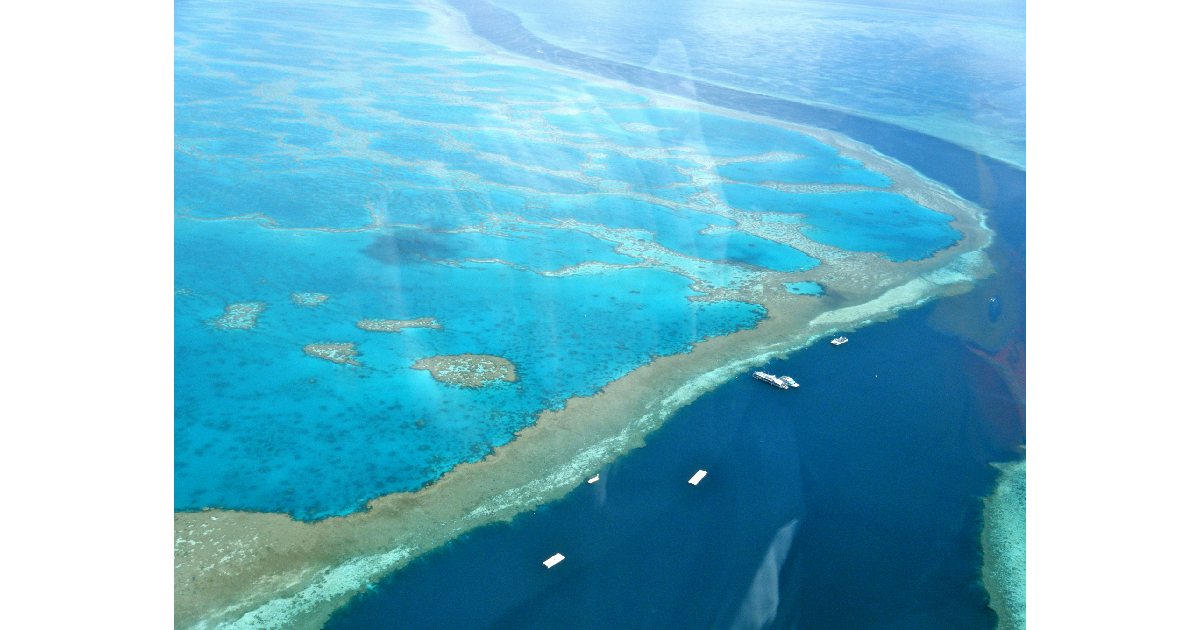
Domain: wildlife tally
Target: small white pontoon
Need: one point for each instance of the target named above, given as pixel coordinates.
(553, 560)
(695, 480)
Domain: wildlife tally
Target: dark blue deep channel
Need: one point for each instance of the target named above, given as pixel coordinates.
(852, 502)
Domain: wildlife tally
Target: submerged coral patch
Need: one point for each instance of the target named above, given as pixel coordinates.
(309, 299)
(335, 352)
(239, 316)
(469, 370)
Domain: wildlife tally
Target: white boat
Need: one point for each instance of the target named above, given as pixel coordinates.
(594, 479)
(695, 480)
(772, 379)
(839, 341)
(553, 560)
(790, 381)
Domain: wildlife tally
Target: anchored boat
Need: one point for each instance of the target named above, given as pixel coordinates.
(772, 379)
(839, 341)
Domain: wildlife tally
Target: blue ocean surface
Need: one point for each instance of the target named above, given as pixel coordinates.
(352, 150)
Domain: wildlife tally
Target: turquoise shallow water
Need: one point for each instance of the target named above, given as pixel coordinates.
(859, 221)
(731, 245)
(804, 171)
(804, 288)
(406, 175)
(279, 430)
